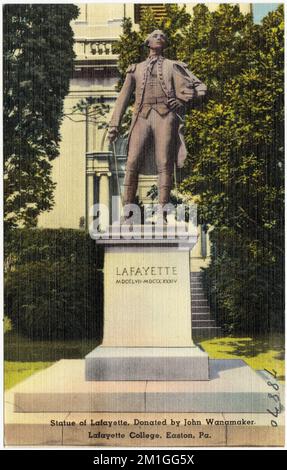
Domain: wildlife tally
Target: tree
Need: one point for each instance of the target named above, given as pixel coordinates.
(53, 283)
(235, 163)
(38, 64)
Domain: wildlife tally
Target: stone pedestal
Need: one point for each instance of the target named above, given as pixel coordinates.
(147, 312)
(230, 409)
(147, 378)
(147, 296)
(233, 387)
(106, 363)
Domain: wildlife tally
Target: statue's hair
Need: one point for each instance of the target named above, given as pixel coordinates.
(146, 42)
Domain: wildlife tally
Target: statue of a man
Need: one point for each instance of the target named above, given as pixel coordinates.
(162, 88)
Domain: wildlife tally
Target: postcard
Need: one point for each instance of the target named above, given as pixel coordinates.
(144, 224)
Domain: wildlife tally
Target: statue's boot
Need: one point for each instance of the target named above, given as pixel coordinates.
(165, 185)
(162, 215)
(130, 190)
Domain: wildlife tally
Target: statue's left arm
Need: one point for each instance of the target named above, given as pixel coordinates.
(187, 86)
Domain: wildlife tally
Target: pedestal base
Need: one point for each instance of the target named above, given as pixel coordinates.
(34, 429)
(105, 363)
(233, 387)
(57, 406)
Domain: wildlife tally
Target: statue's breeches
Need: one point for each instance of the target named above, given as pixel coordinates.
(156, 134)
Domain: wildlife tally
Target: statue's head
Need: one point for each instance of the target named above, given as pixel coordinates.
(156, 40)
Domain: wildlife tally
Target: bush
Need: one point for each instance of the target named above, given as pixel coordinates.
(53, 285)
(245, 289)
(29, 245)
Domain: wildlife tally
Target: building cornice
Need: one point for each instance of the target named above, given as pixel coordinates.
(91, 50)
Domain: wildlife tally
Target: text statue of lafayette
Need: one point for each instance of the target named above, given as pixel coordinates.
(162, 89)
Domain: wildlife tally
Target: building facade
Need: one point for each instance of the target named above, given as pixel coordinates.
(85, 171)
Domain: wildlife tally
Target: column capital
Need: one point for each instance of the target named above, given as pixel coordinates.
(103, 173)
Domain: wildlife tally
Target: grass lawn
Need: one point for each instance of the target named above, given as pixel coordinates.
(259, 353)
(23, 357)
(15, 372)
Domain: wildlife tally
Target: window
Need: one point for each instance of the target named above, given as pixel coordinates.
(158, 10)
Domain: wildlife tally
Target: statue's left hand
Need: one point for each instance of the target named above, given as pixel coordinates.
(175, 104)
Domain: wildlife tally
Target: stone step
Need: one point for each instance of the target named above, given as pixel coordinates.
(34, 429)
(233, 387)
(207, 316)
(200, 308)
(203, 327)
(200, 316)
(146, 363)
(201, 332)
(199, 302)
(203, 323)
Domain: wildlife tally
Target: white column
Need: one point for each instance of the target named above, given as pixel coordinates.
(104, 197)
(90, 196)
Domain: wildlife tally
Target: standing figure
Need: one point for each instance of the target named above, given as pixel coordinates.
(162, 89)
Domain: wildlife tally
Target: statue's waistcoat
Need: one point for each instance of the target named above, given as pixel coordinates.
(164, 78)
(154, 96)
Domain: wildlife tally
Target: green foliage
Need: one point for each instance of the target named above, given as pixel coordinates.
(235, 143)
(246, 292)
(38, 63)
(32, 245)
(19, 348)
(53, 285)
(216, 45)
(235, 163)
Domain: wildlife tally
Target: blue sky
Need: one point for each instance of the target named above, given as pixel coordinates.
(261, 9)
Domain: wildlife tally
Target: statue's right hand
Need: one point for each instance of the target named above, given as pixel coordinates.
(113, 133)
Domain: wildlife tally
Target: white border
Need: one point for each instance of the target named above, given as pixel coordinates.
(98, 449)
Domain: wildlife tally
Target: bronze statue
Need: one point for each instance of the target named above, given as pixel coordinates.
(162, 89)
